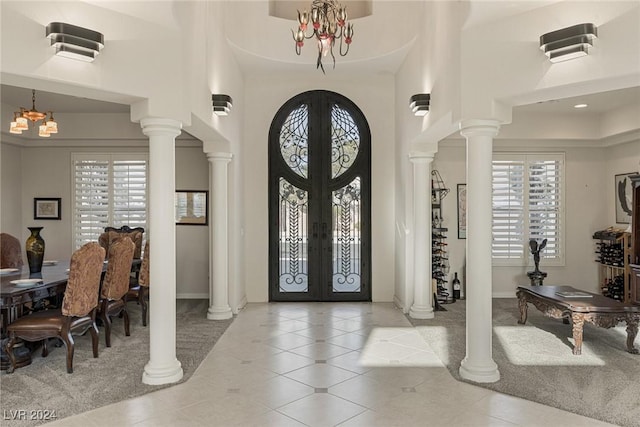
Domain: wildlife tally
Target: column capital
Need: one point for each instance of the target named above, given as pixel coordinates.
(157, 126)
(219, 156)
(421, 156)
(479, 127)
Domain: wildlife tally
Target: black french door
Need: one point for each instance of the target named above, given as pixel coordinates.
(319, 200)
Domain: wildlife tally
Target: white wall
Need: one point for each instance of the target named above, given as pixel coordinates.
(264, 96)
(141, 58)
(623, 158)
(11, 190)
(192, 241)
(156, 60)
(589, 207)
(502, 60)
(29, 172)
(432, 66)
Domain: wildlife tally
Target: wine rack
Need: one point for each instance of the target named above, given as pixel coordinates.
(613, 252)
(439, 252)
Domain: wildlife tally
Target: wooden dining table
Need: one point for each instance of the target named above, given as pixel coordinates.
(13, 297)
(48, 285)
(52, 281)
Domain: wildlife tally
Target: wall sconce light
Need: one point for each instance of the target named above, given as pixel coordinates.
(75, 42)
(419, 104)
(568, 43)
(221, 104)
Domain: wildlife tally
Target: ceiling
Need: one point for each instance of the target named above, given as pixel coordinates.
(389, 59)
(17, 97)
(598, 103)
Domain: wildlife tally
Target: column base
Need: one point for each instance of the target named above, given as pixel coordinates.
(164, 375)
(219, 313)
(421, 312)
(479, 374)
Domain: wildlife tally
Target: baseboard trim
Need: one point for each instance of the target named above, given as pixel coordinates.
(399, 304)
(504, 295)
(240, 306)
(192, 296)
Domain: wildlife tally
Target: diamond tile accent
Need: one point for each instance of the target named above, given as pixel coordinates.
(320, 375)
(348, 365)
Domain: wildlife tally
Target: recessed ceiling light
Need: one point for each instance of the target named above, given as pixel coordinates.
(580, 106)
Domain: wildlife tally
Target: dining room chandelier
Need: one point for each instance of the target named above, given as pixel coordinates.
(21, 120)
(329, 23)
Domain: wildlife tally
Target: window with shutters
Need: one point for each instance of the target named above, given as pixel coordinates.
(109, 190)
(527, 203)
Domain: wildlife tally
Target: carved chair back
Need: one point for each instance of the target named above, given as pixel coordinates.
(116, 279)
(11, 254)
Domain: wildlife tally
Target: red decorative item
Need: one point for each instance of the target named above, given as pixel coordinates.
(329, 20)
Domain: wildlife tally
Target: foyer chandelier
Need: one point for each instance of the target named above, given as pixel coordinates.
(329, 22)
(21, 120)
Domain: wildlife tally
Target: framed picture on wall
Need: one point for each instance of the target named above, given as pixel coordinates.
(462, 210)
(623, 192)
(192, 207)
(47, 208)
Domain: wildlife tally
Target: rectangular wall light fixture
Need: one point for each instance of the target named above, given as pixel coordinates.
(75, 42)
(221, 104)
(568, 43)
(419, 104)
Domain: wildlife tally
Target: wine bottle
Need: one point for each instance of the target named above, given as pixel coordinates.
(456, 286)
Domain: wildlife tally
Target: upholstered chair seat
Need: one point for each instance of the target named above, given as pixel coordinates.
(116, 285)
(77, 314)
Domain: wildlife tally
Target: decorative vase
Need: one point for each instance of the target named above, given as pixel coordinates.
(35, 250)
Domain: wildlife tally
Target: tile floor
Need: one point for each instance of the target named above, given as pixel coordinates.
(324, 364)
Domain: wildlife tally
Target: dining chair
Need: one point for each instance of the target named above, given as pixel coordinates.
(116, 285)
(140, 292)
(10, 252)
(111, 234)
(77, 314)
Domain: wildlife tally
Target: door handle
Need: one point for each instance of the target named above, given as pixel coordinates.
(324, 230)
(315, 230)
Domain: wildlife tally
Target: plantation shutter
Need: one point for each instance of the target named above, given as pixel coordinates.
(91, 213)
(110, 190)
(130, 193)
(508, 209)
(527, 203)
(545, 204)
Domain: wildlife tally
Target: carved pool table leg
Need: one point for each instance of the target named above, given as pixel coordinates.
(632, 331)
(522, 303)
(578, 324)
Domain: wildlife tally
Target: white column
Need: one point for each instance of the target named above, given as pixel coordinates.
(478, 365)
(219, 237)
(163, 366)
(422, 307)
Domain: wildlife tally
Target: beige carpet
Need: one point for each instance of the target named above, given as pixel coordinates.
(536, 361)
(114, 376)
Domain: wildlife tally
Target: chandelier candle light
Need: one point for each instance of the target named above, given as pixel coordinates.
(329, 21)
(20, 123)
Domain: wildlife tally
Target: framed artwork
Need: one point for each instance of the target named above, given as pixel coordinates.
(624, 192)
(462, 210)
(47, 208)
(192, 207)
